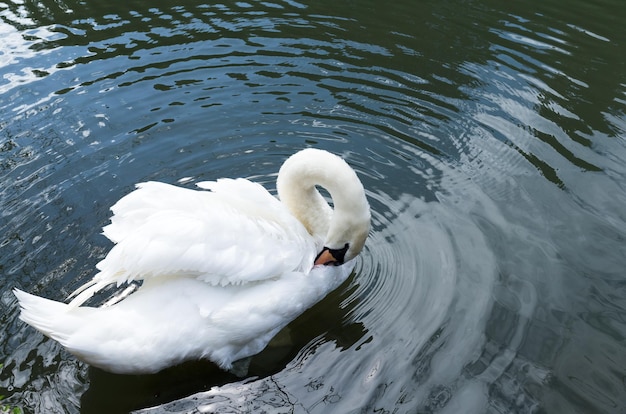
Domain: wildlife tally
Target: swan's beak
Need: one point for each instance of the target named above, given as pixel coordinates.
(330, 256)
(325, 258)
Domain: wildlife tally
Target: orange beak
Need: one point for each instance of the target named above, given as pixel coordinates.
(325, 258)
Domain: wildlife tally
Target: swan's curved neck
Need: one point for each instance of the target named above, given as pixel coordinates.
(296, 185)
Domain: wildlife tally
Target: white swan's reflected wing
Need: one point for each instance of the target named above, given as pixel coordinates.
(235, 233)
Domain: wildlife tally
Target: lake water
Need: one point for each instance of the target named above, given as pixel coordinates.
(491, 139)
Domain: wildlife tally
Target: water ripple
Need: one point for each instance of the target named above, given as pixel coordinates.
(489, 138)
(419, 258)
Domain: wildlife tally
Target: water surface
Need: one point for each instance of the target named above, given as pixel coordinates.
(490, 138)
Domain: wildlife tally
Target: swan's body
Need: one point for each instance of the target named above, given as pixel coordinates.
(223, 270)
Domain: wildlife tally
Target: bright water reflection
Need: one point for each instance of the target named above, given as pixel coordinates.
(490, 139)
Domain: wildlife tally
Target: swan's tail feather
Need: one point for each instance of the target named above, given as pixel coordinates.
(42, 314)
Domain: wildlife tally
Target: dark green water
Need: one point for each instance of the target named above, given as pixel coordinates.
(491, 139)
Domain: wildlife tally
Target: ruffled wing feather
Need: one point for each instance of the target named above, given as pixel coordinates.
(235, 233)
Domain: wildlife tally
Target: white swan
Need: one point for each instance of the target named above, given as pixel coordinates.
(223, 270)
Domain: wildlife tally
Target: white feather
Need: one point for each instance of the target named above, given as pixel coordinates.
(222, 324)
(235, 233)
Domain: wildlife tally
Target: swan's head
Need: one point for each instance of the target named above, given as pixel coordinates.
(343, 229)
(348, 230)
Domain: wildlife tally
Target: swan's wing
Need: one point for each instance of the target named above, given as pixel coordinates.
(236, 233)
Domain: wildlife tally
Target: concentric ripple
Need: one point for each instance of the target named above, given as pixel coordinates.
(428, 268)
(489, 138)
